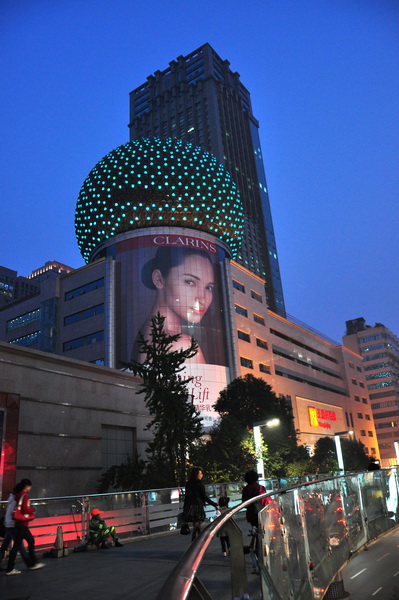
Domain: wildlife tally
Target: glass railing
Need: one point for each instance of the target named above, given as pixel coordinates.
(134, 513)
(309, 533)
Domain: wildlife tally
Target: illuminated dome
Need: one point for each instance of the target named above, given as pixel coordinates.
(152, 182)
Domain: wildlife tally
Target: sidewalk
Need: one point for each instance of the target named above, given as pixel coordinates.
(134, 572)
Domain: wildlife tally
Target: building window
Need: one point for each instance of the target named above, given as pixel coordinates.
(118, 443)
(357, 398)
(370, 434)
(246, 362)
(243, 336)
(238, 286)
(354, 381)
(33, 315)
(256, 296)
(372, 450)
(85, 340)
(259, 319)
(240, 310)
(367, 417)
(351, 364)
(359, 416)
(27, 340)
(264, 368)
(364, 400)
(84, 289)
(84, 314)
(363, 432)
(261, 343)
(358, 369)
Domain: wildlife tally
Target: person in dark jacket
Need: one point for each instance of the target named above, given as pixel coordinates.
(22, 532)
(194, 501)
(252, 489)
(99, 532)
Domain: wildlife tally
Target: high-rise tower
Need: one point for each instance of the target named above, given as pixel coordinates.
(200, 100)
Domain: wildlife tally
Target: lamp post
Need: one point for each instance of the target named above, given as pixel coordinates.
(396, 446)
(337, 438)
(258, 443)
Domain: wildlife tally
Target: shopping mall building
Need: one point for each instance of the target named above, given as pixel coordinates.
(159, 223)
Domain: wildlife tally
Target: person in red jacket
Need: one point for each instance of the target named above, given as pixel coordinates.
(22, 532)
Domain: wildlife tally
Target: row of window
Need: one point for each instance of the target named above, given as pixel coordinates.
(353, 366)
(382, 384)
(249, 364)
(360, 416)
(241, 287)
(364, 400)
(370, 338)
(27, 340)
(385, 404)
(240, 310)
(379, 375)
(385, 425)
(85, 340)
(28, 317)
(84, 289)
(84, 314)
(360, 383)
(373, 367)
(297, 343)
(369, 433)
(242, 335)
(312, 383)
(305, 364)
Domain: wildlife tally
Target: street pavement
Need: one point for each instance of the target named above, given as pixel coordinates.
(374, 573)
(136, 571)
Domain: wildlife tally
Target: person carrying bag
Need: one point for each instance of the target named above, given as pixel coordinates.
(22, 515)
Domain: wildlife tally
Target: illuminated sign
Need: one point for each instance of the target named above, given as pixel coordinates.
(318, 417)
(181, 276)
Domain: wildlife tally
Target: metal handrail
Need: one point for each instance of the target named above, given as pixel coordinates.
(180, 581)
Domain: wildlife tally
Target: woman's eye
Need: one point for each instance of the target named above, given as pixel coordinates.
(189, 282)
(210, 288)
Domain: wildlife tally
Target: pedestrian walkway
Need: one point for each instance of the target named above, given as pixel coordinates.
(135, 572)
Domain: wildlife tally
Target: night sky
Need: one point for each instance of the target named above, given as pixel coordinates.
(324, 83)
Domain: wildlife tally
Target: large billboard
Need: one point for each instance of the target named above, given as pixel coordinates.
(182, 277)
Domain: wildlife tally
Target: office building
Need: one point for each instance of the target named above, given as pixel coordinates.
(379, 348)
(200, 100)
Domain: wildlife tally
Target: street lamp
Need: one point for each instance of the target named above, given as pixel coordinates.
(337, 438)
(396, 446)
(258, 443)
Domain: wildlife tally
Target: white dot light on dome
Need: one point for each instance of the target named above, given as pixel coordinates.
(152, 182)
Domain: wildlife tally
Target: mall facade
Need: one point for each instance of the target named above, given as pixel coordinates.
(159, 223)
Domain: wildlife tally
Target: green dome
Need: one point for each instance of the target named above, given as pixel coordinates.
(152, 182)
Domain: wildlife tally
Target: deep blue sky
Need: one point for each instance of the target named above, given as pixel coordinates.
(324, 82)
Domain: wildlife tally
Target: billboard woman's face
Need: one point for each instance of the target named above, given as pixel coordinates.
(188, 288)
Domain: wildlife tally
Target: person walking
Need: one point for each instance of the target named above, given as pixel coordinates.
(252, 489)
(23, 514)
(195, 500)
(222, 533)
(9, 524)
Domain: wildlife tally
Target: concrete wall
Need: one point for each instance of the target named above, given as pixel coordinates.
(63, 404)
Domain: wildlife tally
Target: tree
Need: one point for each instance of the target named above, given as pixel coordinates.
(325, 459)
(245, 401)
(175, 422)
(127, 476)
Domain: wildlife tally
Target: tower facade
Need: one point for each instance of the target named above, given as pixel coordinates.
(199, 99)
(379, 348)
